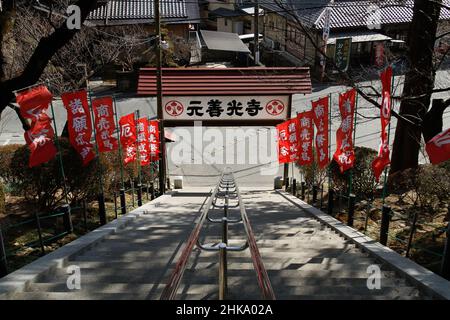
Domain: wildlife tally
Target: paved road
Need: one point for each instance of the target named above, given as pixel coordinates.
(253, 157)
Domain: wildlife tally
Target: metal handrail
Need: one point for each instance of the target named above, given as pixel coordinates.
(171, 288)
(261, 272)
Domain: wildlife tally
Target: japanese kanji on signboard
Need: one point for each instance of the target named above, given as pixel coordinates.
(79, 124)
(288, 138)
(143, 140)
(153, 130)
(128, 138)
(104, 124)
(306, 131)
(382, 160)
(320, 116)
(33, 106)
(344, 154)
(226, 108)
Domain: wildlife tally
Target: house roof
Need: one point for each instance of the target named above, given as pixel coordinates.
(223, 41)
(226, 81)
(351, 13)
(121, 12)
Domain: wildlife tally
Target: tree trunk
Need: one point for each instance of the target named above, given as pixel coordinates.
(419, 82)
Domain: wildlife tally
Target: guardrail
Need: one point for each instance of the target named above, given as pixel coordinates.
(226, 189)
(342, 203)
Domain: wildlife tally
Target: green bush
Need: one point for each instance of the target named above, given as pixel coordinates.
(6, 155)
(363, 180)
(44, 184)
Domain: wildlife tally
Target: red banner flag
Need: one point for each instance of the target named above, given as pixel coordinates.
(104, 124)
(288, 138)
(143, 140)
(33, 105)
(79, 124)
(128, 137)
(438, 148)
(344, 155)
(320, 114)
(153, 129)
(306, 136)
(33, 102)
(382, 160)
(40, 141)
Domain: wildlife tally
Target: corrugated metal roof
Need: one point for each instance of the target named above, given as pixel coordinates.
(226, 81)
(116, 11)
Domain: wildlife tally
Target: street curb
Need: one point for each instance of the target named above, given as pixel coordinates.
(426, 280)
(18, 280)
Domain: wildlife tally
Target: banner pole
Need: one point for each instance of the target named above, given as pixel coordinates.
(120, 144)
(138, 158)
(329, 142)
(388, 141)
(58, 147)
(101, 194)
(353, 144)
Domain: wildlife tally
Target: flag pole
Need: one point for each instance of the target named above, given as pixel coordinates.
(388, 140)
(152, 182)
(58, 147)
(353, 145)
(329, 141)
(122, 183)
(101, 194)
(138, 157)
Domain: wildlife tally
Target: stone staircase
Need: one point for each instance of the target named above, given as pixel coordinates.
(304, 259)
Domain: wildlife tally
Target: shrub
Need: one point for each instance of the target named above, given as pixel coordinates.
(363, 180)
(6, 155)
(312, 174)
(426, 187)
(44, 184)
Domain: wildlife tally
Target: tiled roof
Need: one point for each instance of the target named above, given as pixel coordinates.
(352, 13)
(129, 11)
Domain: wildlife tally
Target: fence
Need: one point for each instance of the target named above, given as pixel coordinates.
(47, 227)
(343, 206)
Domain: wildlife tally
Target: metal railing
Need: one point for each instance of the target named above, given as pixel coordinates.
(226, 189)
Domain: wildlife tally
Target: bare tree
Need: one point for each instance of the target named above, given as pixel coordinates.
(415, 118)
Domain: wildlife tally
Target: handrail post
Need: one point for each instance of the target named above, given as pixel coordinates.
(294, 187)
(314, 194)
(351, 209)
(303, 187)
(330, 201)
(38, 224)
(3, 261)
(223, 286)
(152, 191)
(101, 208)
(139, 195)
(385, 219)
(67, 217)
(123, 203)
(132, 192)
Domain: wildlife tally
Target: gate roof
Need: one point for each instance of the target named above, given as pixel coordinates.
(226, 81)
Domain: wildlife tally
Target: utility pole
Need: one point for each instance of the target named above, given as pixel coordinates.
(162, 159)
(256, 36)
